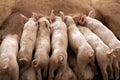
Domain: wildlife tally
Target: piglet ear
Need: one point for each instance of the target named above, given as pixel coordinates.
(76, 18)
(92, 14)
(83, 19)
(40, 15)
(52, 16)
(35, 16)
(62, 15)
(24, 17)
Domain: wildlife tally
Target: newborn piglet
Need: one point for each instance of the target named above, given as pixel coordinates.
(42, 50)
(8, 57)
(27, 42)
(58, 59)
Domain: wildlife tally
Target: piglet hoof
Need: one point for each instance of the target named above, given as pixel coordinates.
(111, 77)
(23, 61)
(95, 72)
(116, 77)
(50, 78)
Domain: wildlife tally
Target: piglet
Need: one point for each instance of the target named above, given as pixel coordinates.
(27, 42)
(81, 48)
(58, 59)
(8, 57)
(41, 58)
(29, 74)
(106, 35)
(104, 54)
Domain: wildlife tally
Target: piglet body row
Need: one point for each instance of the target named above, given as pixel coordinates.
(104, 54)
(80, 46)
(106, 35)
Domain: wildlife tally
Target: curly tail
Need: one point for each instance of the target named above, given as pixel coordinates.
(60, 59)
(35, 63)
(5, 63)
(112, 52)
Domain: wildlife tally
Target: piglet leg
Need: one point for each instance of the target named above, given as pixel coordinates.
(15, 69)
(104, 72)
(93, 67)
(39, 76)
(45, 72)
(111, 71)
(59, 75)
(116, 68)
(51, 73)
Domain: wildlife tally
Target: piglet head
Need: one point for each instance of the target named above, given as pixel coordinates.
(44, 23)
(76, 18)
(85, 18)
(35, 16)
(81, 19)
(53, 17)
(69, 21)
(31, 22)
